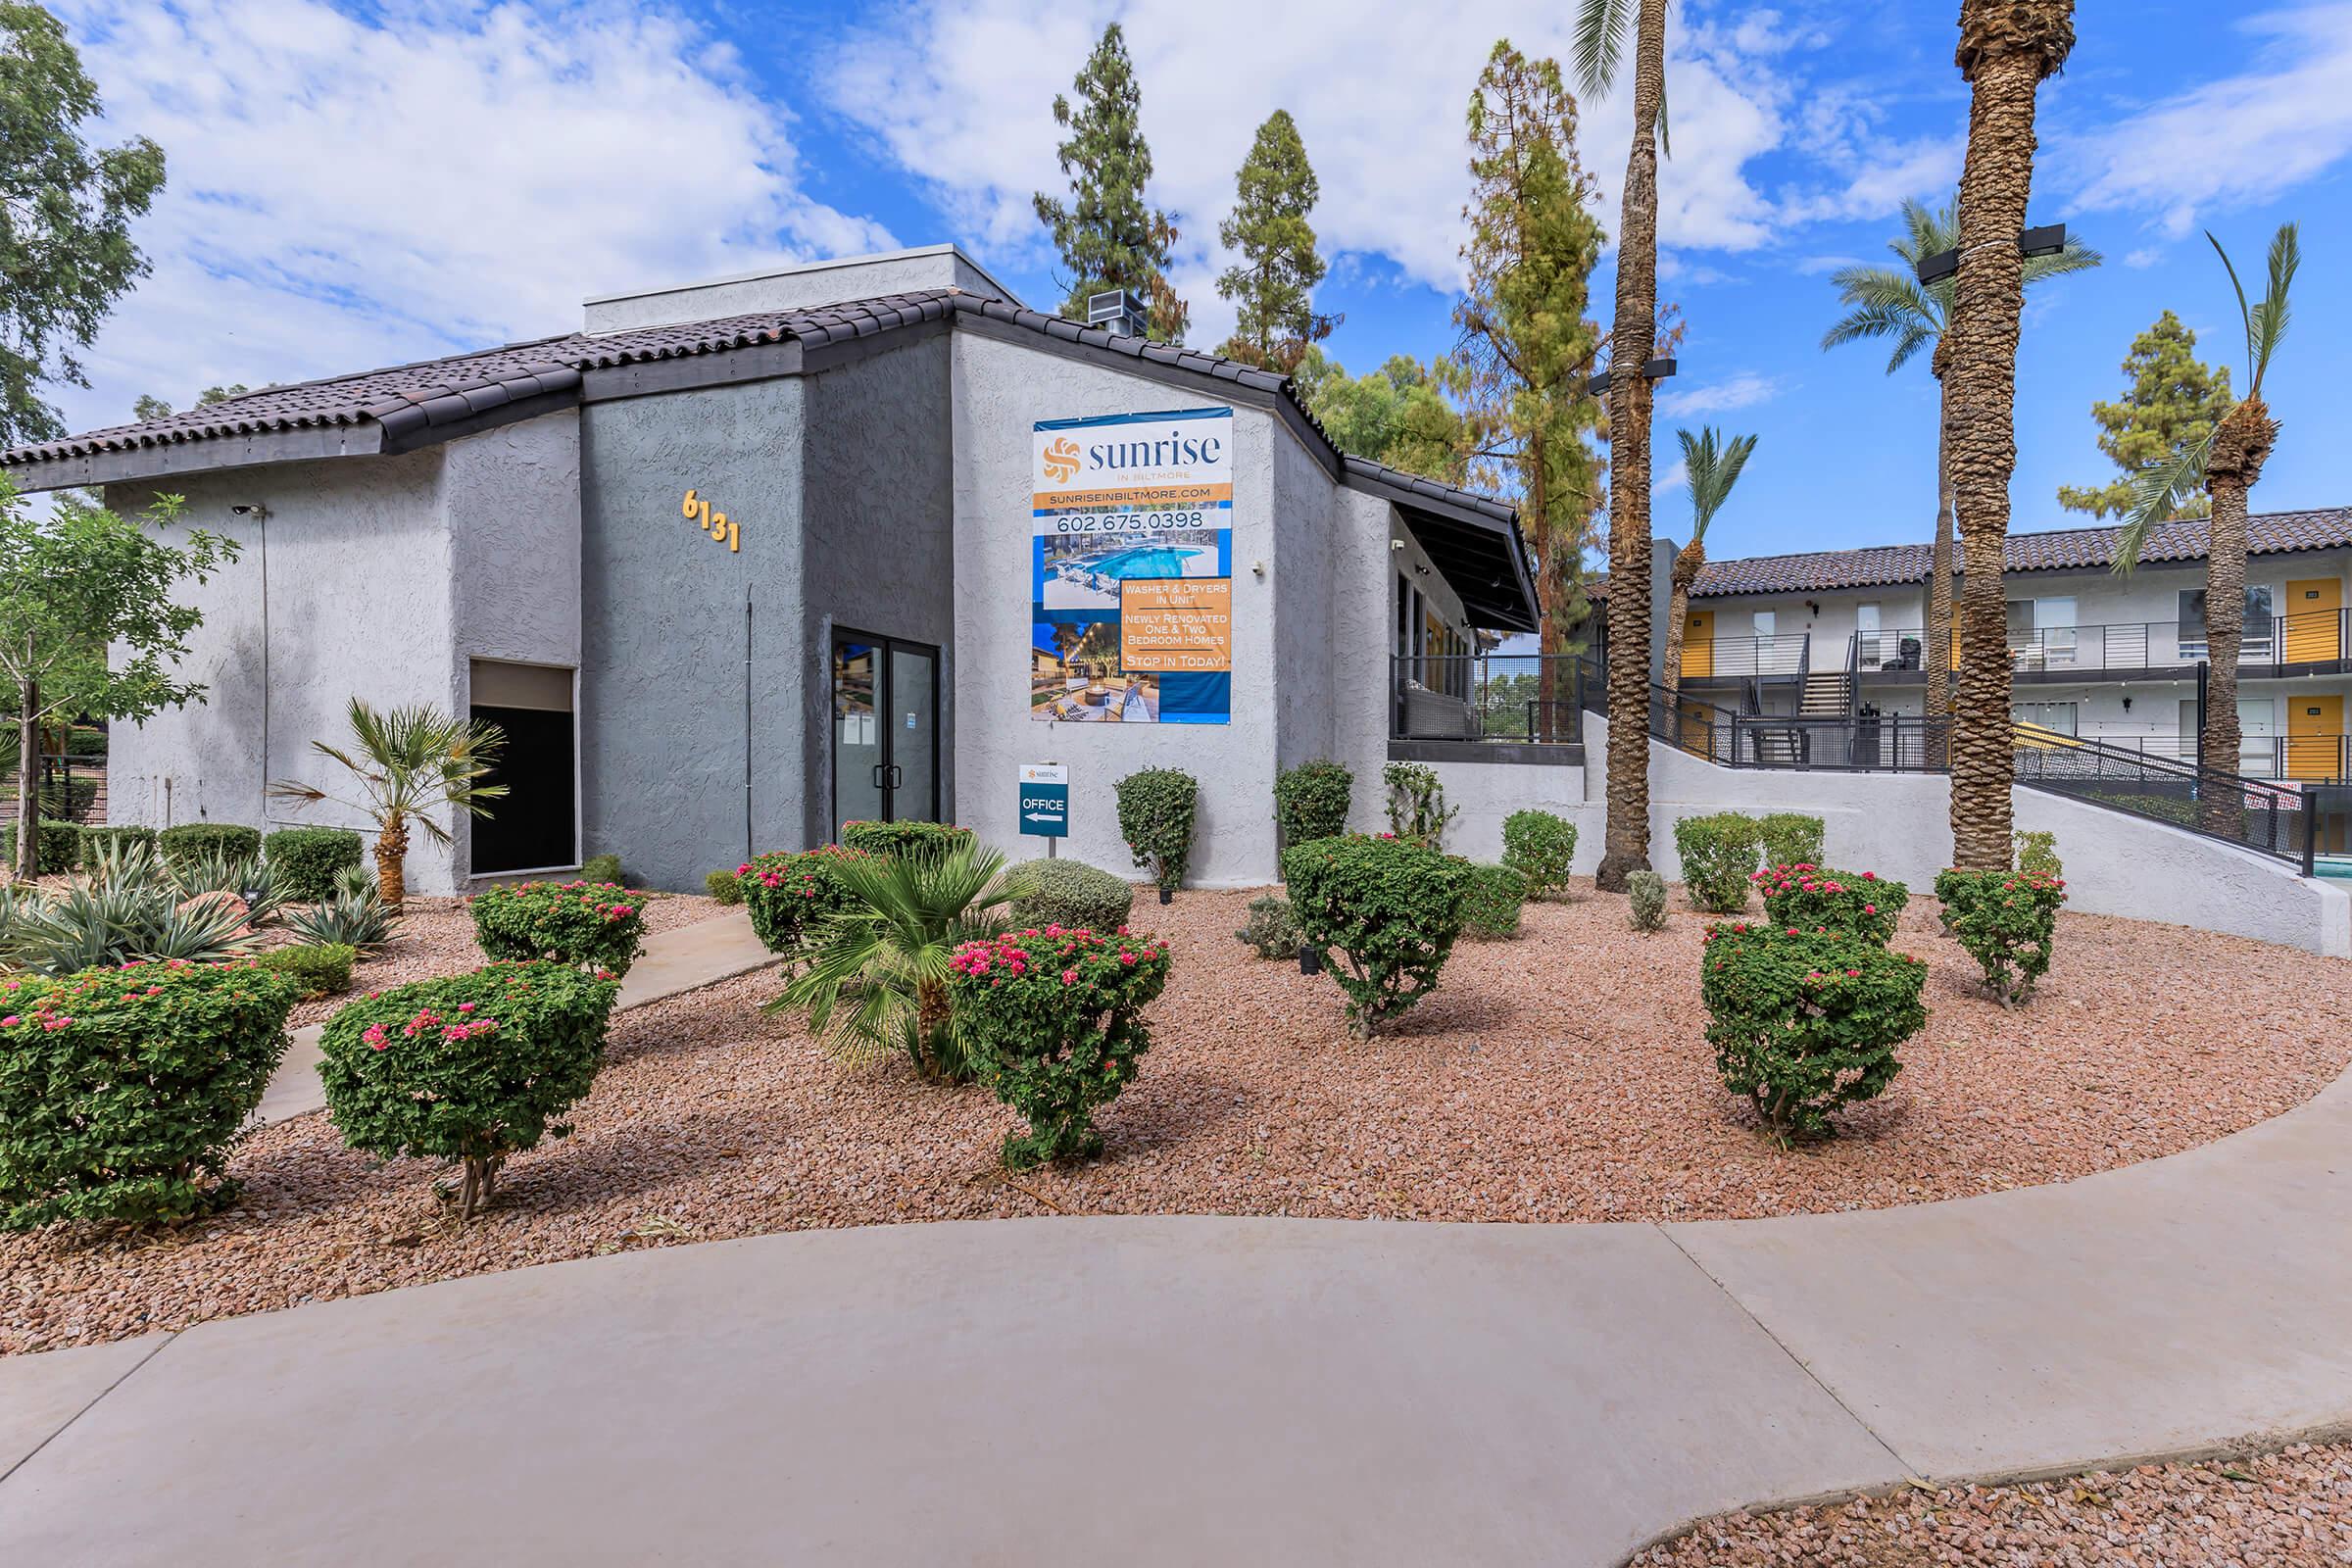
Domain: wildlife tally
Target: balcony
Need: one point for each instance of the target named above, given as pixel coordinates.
(1747, 657)
(1524, 708)
(2303, 643)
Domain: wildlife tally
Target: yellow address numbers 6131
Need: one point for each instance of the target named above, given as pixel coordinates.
(714, 524)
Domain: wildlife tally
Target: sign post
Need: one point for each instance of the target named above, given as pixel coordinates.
(1045, 802)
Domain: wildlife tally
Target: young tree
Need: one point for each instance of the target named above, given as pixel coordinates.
(409, 763)
(1526, 344)
(66, 211)
(1396, 414)
(1108, 235)
(150, 407)
(72, 583)
(2172, 404)
(1713, 464)
(1273, 287)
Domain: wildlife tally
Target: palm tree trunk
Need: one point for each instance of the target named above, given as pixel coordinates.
(1632, 341)
(1939, 600)
(1677, 610)
(391, 852)
(2006, 48)
(2240, 443)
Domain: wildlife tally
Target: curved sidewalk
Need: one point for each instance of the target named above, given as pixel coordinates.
(1185, 1391)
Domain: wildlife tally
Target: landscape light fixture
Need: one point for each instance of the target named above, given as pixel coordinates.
(1655, 371)
(2048, 240)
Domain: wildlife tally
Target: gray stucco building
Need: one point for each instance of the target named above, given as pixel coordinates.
(743, 559)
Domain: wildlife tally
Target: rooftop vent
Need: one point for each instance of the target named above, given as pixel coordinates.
(1120, 311)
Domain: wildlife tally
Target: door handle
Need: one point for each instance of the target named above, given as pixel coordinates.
(895, 776)
(877, 775)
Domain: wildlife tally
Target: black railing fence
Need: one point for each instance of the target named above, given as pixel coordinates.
(2259, 814)
(1487, 697)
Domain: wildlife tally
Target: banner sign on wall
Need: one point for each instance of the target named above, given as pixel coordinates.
(1131, 568)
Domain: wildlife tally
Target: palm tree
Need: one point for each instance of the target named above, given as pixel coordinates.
(1891, 303)
(879, 978)
(2007, 48)
(409, 762)
(1601, 27)
(2226, 464)
(1713, 466)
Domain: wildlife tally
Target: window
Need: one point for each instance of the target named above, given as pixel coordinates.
(1767, 623)
(2254, 641)
(1867, 649)
(533, 828)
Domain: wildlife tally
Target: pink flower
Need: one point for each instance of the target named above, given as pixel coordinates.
(465, 1007)
(1854, 974)
(1869, 909)
(11, 1021)
(1069, 977)
(1869, 876)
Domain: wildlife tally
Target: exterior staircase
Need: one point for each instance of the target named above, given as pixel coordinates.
(1825, 695)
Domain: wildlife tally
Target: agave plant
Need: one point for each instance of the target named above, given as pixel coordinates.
(358, 917)
(103, 925)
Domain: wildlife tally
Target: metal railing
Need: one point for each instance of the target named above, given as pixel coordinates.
(2320, 636)
(1725, 658)
(72, 788)
(2266, 816)
(2299, 759)
(1487, 697)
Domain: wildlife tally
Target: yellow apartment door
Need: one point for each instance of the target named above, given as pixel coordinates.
(1698, 644)
(2315, 620)
(2315, 737)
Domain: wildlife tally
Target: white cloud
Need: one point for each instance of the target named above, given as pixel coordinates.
(1816, 266)
(1741, 391)
(2231, 142)
(344, 193)
(2145, 255)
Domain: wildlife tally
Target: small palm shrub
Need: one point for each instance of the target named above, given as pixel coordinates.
(97, 843)
(1269, 927)
(1417, 809)
(1718, 855)
(1311, 801)
(1157, 808)
(321, 971)
(1389, 909)
(407, 762)
(934, 839)
(1053, 1020)
(1491, 899)
(56, 845)
(2038, 854)
(1804, 1023)
(1071, 893)
(1790, 837)
(602, 868)
(1541, 847)
(472, 1069)
(191, 841)
(790, 895)
(588, 925)
(123, 1088)
(724, 887)
(1646, 899)
(2008, 922)
(1856, 903)
(305, 859)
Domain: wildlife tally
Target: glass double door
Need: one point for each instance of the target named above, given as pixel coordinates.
(885, 730)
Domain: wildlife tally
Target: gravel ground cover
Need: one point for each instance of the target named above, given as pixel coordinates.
(1559, 1076)
(2292, 1509)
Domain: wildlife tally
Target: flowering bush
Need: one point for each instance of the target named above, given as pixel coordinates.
(934, 839)
(594, 925)
(2036, 852)
(472, 1069)
(1053, 1017)
(1718, 855)
(1856, 903)
(1805, 1022)
(2005, 920)
(790, 895)
(1539, 846)
(1391, 908)
(121, 1090)
(1156, 807)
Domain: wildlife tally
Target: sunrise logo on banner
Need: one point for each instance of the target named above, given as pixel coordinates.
(1131, 568)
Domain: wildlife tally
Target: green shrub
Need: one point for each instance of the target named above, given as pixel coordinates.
(934, 839)
(472, 1069)
(1269, 927)
(1311, 801)
(56, 846)
(123, 1088)
(1492, 896)
(321, 971)
(1541, 847)
(589, 925)
(1156, 807)
(86, 741)
(1718, 855)
(93, 844)
(190, 842)
(1646, 894)
(1790, 837)
(1855, 903)
(305, 859)
(1056, 1027)
(1416, 804)
(2038, 854)
(1391, 910)
(1070, 893)
(724, 887)
(602, 868)
(1805, 1024)
(2164, 808)
(790, 895)
(2007, 921)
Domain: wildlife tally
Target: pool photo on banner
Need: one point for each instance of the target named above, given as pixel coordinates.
(1131, 568)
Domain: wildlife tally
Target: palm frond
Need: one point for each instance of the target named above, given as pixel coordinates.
(2076, 257)
(2157, 492)
(2270, 316)
(1713, 466)
(1601, 27)
(2245, 312)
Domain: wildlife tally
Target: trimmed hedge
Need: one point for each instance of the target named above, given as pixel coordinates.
(1539, 846)
(191, 841)
(1071, 893)
(303, 861)
(1802, 1024)
(94, 842)
(1718, 855)
(602, 868)
(724, 887)
(320, 970)
(473, 1068)
(1790, 837)
(1491, 899)
(2007, 921)
(937, 840)
(1391, 910)
(790, 895)
(56, 846)
(1157, 808)
(122, 1090)
(1311, 801)
(1856, 903)
(589, 925)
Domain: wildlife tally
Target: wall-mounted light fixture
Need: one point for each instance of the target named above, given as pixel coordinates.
(1655, 370)
(2048, 240)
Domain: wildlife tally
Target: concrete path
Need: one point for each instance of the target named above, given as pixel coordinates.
(1185, 1391)
(685, 958)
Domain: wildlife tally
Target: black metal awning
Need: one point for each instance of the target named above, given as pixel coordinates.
(1471, 539)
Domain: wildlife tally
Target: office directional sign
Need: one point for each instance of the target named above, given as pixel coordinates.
(1046, 800)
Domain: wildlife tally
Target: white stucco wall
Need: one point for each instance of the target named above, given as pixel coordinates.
(790, 288)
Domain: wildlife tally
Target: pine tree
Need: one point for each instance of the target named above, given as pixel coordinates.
(1273, 285)
(2173, 403)
(1108, 235)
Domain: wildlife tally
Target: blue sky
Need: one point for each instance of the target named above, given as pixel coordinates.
(358, 185)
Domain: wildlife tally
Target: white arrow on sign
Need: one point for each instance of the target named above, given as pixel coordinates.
(1041, 816)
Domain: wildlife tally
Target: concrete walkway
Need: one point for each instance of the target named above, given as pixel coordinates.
(686, 958)
(1186, 1391)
